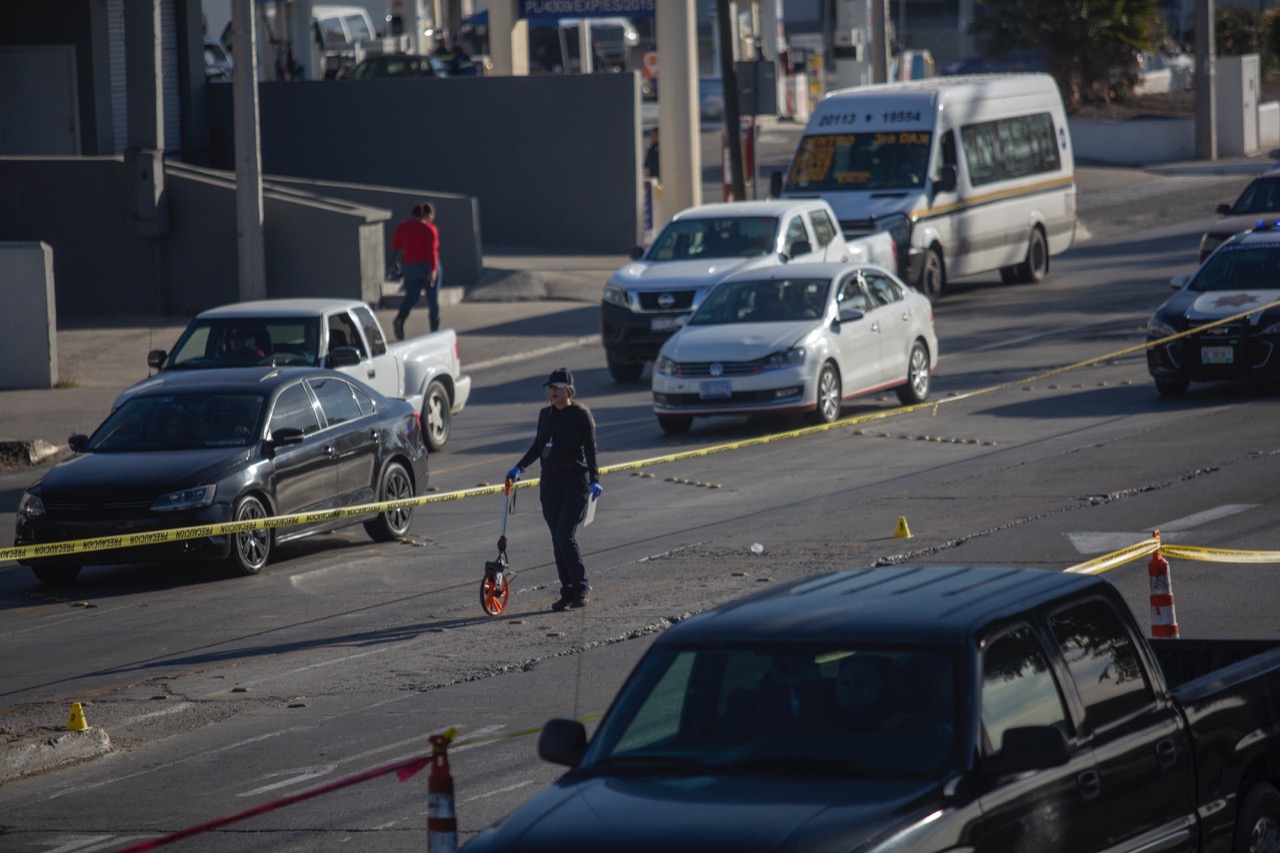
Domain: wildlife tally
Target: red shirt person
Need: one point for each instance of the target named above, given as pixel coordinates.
(417, 242)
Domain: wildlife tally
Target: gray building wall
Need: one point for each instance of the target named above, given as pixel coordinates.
(554, 161)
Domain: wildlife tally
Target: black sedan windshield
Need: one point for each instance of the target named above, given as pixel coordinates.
(180, 422)
(1259, 197)
(767, 301)
(1253, 266)
(866, 712)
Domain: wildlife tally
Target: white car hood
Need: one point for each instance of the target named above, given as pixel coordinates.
(1217, 304)
(649, 275)
(735, 341)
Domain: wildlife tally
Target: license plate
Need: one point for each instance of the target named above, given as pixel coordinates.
(715, 390)
(663, 324)
(1217, 355)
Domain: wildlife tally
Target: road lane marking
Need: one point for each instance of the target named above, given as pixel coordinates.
(1105, 543)
(517, 786)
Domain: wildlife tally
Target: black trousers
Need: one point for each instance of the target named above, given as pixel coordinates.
(564, 504)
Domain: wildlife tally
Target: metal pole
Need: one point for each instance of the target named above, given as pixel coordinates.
(249, 214)
(732, 121)
(1206, 127)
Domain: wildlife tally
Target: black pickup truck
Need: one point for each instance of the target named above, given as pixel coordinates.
(921, 709)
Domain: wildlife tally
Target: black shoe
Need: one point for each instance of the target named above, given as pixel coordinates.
(561, 603)
(398, 325)
(577, 602)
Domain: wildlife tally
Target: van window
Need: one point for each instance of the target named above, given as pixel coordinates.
(332, 32)
(861, 161)
(357, 29)
(1010, 148)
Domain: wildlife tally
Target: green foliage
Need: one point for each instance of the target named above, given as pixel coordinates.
(1090, 46)
(1237, 30)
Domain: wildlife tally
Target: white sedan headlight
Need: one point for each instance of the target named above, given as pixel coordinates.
(30, 505)
(782, 360)
(665, 366)
(616, 295)
(185, 499)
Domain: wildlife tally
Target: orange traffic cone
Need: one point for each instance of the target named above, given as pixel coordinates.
(1164, 621)
(76, 722)
(442, 823)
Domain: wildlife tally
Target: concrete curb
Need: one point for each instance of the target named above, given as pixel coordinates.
(46, 752)
(25, 452)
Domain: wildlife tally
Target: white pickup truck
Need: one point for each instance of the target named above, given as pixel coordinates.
(341, 334)
(698, 248)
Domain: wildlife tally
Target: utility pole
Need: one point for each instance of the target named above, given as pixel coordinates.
(732, 121)
(244, 100)
(1206, 128)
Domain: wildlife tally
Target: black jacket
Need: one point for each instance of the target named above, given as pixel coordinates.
(566, 444)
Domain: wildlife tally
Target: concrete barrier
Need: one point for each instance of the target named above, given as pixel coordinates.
(29, 323)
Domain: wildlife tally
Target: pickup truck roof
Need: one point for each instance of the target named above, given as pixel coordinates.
(919, 604)
(302, 307)
(767, 207)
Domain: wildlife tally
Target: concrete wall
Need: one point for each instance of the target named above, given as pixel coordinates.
(315, 246)
(1136, 142)
(553, 160)
(28, 324)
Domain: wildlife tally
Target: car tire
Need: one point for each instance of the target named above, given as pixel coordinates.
(1036, 265)
(675, 424)
(1258, 826)
(391, 525)
(1172, 387)
(250, 549)
(624, 371)
(437, 416)
(933, 275)
(55, 575)
(827, 408)
(916, 389)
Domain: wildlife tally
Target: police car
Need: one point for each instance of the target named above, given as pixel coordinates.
(1230, 308)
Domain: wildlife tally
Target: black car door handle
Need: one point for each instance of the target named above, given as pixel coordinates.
(1090, 784)
(373, 434)
(330, 451)
(1166, 753)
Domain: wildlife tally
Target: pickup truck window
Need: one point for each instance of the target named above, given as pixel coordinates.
(823, 229)
(372, 331)
(1018, 688)
(294, 409)
(343, 333)
(795, 234)
(1103, 663)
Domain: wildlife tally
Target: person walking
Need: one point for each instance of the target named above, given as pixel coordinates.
(651, 157)
(417, 241)
(565, 442)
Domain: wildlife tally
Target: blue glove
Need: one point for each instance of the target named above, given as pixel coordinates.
(596, 490)
(514, 473)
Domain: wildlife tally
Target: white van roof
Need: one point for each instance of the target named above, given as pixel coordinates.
(990, 85)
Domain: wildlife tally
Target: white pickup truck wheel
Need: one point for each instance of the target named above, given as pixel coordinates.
(437, 418)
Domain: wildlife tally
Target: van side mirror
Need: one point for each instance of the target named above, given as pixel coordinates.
(947, 180)
(636, 253)
(775, 185)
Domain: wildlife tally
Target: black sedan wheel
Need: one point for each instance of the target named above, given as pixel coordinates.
(250, 549)
(1172, 387)
(437, 416)
(917, 388)
(624, 371)
(55, 575)
(828, 407)
(675, 424)
(393, 523)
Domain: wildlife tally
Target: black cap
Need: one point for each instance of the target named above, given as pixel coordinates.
(559, 376)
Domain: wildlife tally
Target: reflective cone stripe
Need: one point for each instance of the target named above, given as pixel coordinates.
(1164, 621)
(442, 823)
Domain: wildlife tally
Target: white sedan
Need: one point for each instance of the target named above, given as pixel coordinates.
(796, 338)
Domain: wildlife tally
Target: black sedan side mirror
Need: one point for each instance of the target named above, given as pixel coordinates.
(1223, 209)
(286, 435)
(343, 356)
(636, 253)
(1030, 748)
(77, 442)
(156, 359)
(562, 742)
(1178, 281)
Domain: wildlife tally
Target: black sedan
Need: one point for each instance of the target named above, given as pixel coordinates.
(1259, 201)
(217, 446)
(1242, 275)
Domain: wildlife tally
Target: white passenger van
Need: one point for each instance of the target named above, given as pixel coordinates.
(968, 174)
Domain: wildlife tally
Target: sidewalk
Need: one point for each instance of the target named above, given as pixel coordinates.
(504, 316)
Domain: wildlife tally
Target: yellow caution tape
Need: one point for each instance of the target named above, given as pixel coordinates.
(1219, 555)
(1115, 559)
(1101, 564)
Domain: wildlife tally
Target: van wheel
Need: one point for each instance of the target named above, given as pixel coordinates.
(1036, 265)
(933, 276)
(624, 371)
(1258, 827)
(437, 416)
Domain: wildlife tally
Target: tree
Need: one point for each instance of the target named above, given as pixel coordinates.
(1090, 47)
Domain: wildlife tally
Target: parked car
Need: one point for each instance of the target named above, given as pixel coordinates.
(398, 65)
(699, 247)
(217, 446)
(1241, 274)
(217, 60)
(339, 333)
(796, 338)
(1259, 200)
(921, 709)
